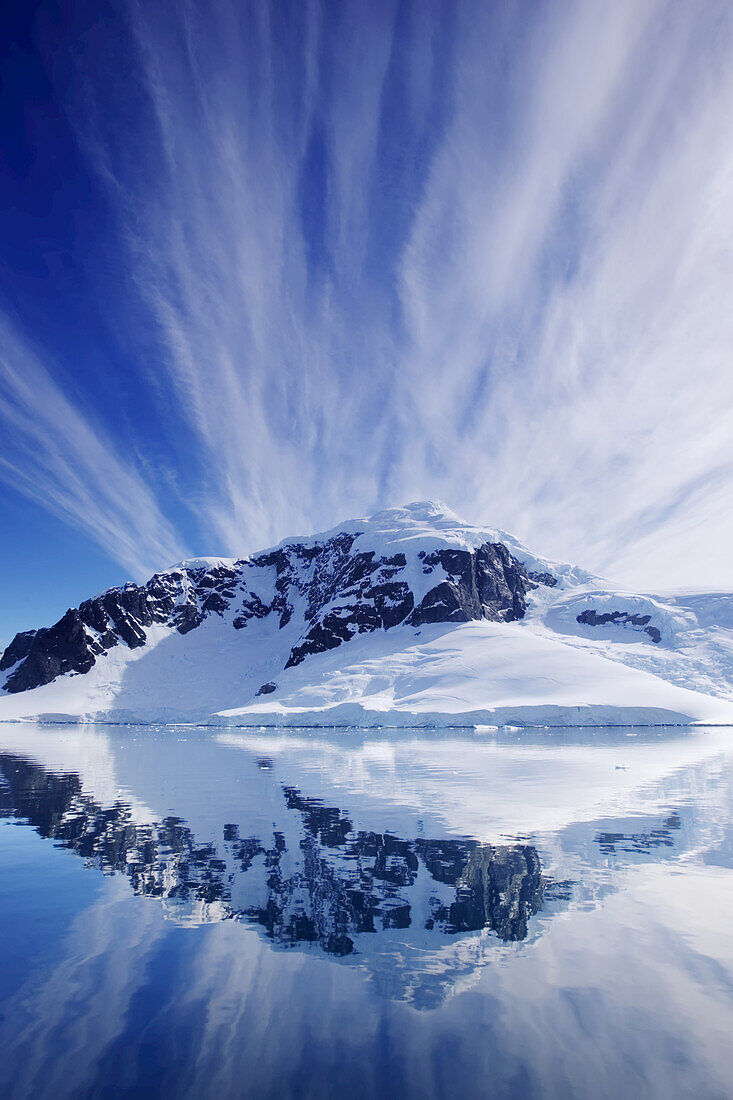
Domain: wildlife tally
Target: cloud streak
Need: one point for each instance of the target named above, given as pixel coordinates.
(54, 455)
(393, 251)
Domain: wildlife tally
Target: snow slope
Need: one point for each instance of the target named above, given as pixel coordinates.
(475, 673)
(584, 653)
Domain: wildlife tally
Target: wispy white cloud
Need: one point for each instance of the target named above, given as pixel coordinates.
(591, 282)
(53, 454)
(275, 348)
(507, 285)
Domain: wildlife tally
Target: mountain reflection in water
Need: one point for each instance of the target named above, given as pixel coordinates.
(339, 884)
(264, 914)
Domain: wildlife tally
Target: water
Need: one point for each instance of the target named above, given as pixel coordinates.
(188, 913)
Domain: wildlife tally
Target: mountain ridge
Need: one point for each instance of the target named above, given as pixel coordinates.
(483, 582)
(248, 640)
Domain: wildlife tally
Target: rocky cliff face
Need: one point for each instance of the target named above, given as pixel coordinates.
(180, 599)
(328, 590)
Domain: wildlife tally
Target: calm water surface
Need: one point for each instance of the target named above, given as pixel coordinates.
(199, 913)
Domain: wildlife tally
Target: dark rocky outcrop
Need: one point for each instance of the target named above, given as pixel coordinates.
(543, 578)
(326, 592)
(180, 598)
(18, 649)
(591, 617)
(487, 583)
(266, 689)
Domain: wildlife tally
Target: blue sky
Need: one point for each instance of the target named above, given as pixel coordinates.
(265, 266)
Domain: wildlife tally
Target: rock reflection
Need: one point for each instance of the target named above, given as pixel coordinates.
(353, 882)
(643, 841)
(337, 884)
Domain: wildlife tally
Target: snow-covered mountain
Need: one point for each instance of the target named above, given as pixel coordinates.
(409, 617)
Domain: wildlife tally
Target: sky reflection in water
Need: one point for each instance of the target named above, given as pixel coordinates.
(187, 913)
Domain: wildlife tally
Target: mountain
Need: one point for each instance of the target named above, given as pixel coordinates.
(409, 617)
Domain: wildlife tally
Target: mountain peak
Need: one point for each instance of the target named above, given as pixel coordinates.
(420, 511)
(427, 525)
